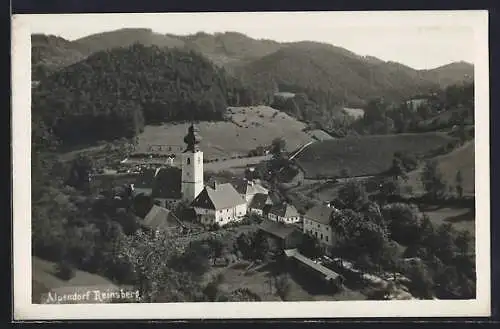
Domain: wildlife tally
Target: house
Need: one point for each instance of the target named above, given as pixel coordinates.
(317, 222)
(219, 204)
(284, 213)
(283, 236)
(161, 219)
(260, 204)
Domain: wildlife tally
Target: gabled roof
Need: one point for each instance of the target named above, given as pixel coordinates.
(284, 210)
(259, 201)
(223, 196)
(279, 230)
(159, 218)
(242, 185)
(321, 214)
(168, 183)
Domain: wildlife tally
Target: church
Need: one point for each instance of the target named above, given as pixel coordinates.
(213, 203)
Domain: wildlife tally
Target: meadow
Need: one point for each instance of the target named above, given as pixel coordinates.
(245, 129)
(364, 155)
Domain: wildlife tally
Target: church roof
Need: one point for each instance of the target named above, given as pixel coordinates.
(221, 196)
(192, 139)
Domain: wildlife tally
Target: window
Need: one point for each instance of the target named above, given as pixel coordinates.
(326, 238)
(321, 236)
(188, 161)
(318, 225)
(316, 233)
(199, 160)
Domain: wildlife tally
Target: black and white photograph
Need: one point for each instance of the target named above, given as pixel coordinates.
(251, 165)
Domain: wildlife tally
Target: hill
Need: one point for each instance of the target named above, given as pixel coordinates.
(462, 159)
(126, 37)
(245, 130)
(345, 76)
(112, 94)
(50, 53)
(363, 155)
(230, 48)
(451, 74)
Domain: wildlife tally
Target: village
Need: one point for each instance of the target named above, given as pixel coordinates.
(172, 195)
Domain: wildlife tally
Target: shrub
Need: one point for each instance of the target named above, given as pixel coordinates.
(65, 271)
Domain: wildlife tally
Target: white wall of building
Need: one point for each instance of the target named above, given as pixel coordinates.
(322, 232)
(192, 175)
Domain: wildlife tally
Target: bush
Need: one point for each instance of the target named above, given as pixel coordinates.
(65, 271)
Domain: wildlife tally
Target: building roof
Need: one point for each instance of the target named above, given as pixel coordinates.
(284, 210)
(168, 183)
(321, 214)
(220, 196)
(279, 230)
(259, 201)
(242, 185)
(159, 218)
(329, 274)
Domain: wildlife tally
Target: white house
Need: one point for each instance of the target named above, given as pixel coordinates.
(219, 204)
(317, 222)
(284, 213)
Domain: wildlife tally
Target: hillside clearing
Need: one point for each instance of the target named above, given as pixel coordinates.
(247, 128)
(364, 155)
(463, 159)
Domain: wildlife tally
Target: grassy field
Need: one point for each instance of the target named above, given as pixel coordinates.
(460, 218)
(462, 159)
(248, 128)
(364, 155)
(44, 280)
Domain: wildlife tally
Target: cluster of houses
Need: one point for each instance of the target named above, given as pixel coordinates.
(223, 201)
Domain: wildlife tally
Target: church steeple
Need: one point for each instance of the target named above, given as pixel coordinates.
(192, 139)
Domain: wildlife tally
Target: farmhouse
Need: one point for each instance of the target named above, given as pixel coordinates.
(248, 188)
(317, 222)
(284, 213)
(161, 219)
(219, 204)
(260, 204)
(282, 235)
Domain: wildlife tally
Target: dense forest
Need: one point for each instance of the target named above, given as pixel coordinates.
(112, 94)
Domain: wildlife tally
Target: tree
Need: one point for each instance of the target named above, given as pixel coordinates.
(283, 286)
(352, 195)
(277, 147)
(432, 180)
(310, 247)
(463, 241)
(216, 248)
(260, 246)
(422, 283)
(459, 184)
(404, 222)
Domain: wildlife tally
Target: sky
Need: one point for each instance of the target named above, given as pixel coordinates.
(421, 40)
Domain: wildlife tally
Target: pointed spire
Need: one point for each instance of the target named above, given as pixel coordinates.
(192, 139)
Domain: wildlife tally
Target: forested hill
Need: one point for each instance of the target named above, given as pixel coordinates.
(112, 94)
(346, 76)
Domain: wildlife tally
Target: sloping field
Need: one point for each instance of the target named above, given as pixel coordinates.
(462, 159)
(44, 280)
(248, 128)
(364, 155)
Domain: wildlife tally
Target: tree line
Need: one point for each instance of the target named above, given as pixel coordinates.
(113, 94)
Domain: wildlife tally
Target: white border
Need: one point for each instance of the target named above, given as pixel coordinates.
(21, 126)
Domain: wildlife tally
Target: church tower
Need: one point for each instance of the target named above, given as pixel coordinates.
(192, 166)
